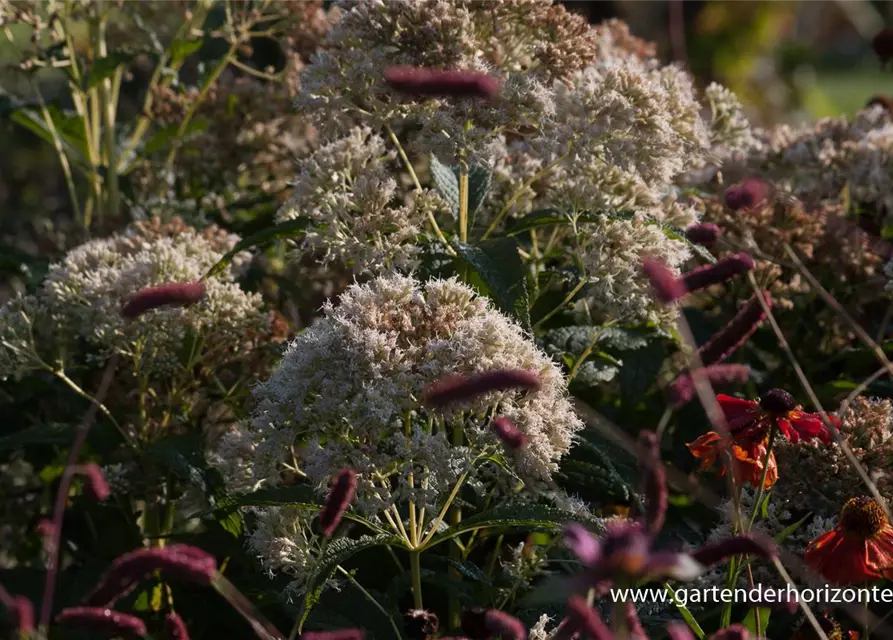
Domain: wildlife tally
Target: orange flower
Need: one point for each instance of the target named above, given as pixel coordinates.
(747, 458)
(859, 549)
(753, 418)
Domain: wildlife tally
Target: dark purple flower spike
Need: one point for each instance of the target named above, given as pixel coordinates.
(338, 634)
(178, 562)
(728, 339)
(722, 270)
(656, 494)
(339, 500)
(511, 436)
(705, 234)
(882, 45)
(103, 621)
(453, 389)
(480, 624)
(746, 195)
(178, 294)
(665, 286)
(424, 82)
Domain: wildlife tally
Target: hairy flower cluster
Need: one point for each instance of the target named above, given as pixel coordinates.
(349, 394)
(526, 43)
(358, 219)
(731, 134)
(76, 313)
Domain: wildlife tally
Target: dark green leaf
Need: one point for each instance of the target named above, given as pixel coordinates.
(105, 67)
(288, 229)
(791, 528)
(446, 183)
(337, 552)
(750, 621)
(182, 49)
(499, 266)
(478, 186)
(596, 370)
(39, 434)
(163, 138)
(535, 219)
(508, 516)
(639, 372)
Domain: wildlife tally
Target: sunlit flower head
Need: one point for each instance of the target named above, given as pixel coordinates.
(859, 549)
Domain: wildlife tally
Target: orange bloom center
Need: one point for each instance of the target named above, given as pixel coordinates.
(862, 517)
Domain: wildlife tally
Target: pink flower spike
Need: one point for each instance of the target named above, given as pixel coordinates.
(102, 620)
(338, 634)
(711, 274)
(454, 83)
(506, 626)
(174, 627)
(751, 544)
(23, 614)
(584, 619)
(705, 234)
(682, 389)
(664, 284)
(656, 493)
(728, 339)
(339, 499)
(179, 561)
(95, 485)
(510, 435)
(172, 294)
(453, 389)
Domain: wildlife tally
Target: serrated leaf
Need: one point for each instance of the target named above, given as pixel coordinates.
(337, 552)
(499, 266)
(594, 372)
(288, 229)
(446, 183)
(512, 516)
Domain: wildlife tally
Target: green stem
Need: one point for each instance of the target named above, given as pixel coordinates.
(454, 612)
(63, 159)
(463, 201)
(415, 566)
(561, 305)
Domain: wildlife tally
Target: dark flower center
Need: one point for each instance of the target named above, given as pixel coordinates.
(778, 401)
(862, 517)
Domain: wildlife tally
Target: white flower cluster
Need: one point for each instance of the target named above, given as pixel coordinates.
(731, 134)
(348, 394)
(346, 189)
(76, 312)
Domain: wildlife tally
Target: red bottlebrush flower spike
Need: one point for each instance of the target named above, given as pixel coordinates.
(682, 389)
(420, 624)
(664, 284)
(656, 494)
(181, 562)
(750, 544)
(102, 620)
(338, 634)
(711, 274)
(585, 620)
(733, 632)
(420, 81)
(95, 485)
(44, 529)
(166, 295)
(510, 435)
(504, 625)
(633, 625)
(882, 45)
(339, 499)
(174, 627)
(725, 342)
(453, 389)
(705, 234)
(746, 195)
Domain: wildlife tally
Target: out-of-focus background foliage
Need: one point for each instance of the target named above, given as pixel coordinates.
(787, 60)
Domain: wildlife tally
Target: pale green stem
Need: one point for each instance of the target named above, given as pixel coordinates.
(562, 304)
(415, 566)
(371, 598)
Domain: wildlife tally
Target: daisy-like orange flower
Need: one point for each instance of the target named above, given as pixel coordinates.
(752, 419)
(859, 549)
(748, 458)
